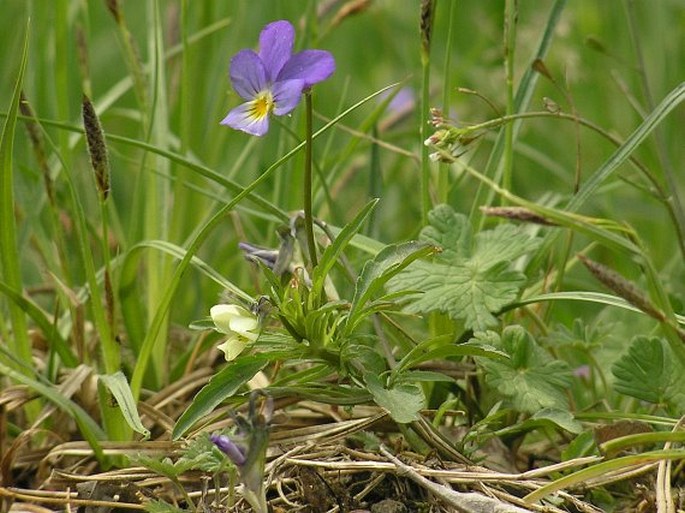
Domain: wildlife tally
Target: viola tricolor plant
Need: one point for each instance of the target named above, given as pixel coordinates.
(273, 79)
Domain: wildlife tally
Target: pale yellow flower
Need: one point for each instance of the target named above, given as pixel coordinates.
(239, 324)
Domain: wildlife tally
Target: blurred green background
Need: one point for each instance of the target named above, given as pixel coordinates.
(593, 57)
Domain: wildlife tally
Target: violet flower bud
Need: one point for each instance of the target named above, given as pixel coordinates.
(230, 449)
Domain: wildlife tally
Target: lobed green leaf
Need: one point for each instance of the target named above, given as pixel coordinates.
(472, 277)
(531, 378)
(651, 372)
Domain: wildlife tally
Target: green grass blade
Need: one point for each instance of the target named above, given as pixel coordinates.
(118, 385)
(131, 305)
(19, 343)
(670, 102)
(49, 330)
(332, 253)
(603, 468)
(157, 195)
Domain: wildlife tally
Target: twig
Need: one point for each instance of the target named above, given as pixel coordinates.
(464, 502)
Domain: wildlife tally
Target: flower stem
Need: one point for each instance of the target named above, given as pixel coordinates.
(308, 220)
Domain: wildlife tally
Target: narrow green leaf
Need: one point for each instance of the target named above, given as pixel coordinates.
(602, 469)
(118, 385)
(19, 343)
(375, 274)
(332, 253)
(670, 102)
(340, 395)
(545, 418)
(423, 376)
(223, 385)
(615, 445)
(442, 348)
(49, 330)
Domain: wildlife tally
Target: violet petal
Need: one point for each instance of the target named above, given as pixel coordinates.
(312, 66)
(276, 46)
(248, 75)
(287, 94)
(230, 449)
(241, 118)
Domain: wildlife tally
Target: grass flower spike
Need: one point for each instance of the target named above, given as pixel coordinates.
(273, 79)
(239, 324)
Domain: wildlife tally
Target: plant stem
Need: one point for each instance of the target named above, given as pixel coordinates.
(426, 28)
(509, 45)
(110, 348)
(308, 219)
(444, 173)
(423, 131)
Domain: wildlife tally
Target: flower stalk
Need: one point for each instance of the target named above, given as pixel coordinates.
(308, 151)
(247, 449)
(426, 28)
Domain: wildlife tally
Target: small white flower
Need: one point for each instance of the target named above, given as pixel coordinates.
(239, 324)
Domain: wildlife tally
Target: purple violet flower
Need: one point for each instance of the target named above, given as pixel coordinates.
(230, 449)
(273, 79)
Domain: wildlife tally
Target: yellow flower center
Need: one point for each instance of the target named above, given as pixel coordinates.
(262, 105)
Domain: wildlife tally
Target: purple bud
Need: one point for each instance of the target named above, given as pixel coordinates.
(230, 449)
(253, 253)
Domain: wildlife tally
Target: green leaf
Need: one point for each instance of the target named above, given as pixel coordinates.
(327, 393)
(531, 378)
(424, 376)
(202, 324)
(118, 385)
(202, 454)
(48, 328)
(472, 277)
(403, 401)
(159, 506)
(549, 418)
(10, 253)
(363, 358)
(222, 386)
(582, 445)
(651, 372)
(162, 466)
(387, 263)
(441, 348)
